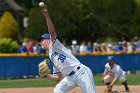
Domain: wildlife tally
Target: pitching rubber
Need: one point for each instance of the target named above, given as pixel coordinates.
(115, 91)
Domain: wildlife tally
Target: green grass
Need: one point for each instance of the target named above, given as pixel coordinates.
(26, 83)
(133, 79)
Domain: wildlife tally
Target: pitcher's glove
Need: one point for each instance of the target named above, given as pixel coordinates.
(43, 68)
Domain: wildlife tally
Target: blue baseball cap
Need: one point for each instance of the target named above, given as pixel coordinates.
(110, 58)
(46, 36)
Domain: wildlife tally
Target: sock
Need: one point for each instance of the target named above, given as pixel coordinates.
(107, 83)
(125, 84)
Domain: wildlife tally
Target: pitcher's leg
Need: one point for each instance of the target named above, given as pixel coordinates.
(65, 85)
(85, 81)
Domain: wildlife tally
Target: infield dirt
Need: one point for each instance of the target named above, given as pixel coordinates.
(100, 89)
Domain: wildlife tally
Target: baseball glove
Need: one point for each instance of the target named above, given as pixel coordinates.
(115, 91)
(43, 68)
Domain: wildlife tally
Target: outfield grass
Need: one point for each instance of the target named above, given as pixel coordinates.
(26, 83)
(133, 79)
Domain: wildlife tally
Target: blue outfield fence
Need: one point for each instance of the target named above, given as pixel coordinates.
(28, 65)
(128, 62)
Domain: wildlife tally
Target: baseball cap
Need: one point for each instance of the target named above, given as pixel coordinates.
(74, 42)
(110, 58)
(46, 36)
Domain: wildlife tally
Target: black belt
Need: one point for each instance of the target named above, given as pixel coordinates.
(72, 72)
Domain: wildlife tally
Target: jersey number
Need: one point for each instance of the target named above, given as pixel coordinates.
(60, 57)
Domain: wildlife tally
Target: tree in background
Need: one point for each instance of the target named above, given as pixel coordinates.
(97, 19)
(135, 28)
(8, 46)
(119, 13)
(72, 19)
(84, 19)
(26, 4)
(8, 26)
(37, 24)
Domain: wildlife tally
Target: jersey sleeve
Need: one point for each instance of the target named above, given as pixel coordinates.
(56, 43)
(106, 67)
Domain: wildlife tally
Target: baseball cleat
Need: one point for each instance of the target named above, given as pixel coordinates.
(127, 89)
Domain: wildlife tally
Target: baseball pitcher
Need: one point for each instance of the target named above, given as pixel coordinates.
(65, 64)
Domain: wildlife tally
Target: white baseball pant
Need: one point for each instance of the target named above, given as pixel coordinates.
(83, 78)
(109, 78)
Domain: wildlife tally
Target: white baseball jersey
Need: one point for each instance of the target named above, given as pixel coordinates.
(63, 60)
(116, 71)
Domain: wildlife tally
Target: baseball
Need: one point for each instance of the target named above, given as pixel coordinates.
(41, 4)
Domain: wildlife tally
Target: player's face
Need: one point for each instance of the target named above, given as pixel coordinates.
(45, 43)
(111, 63)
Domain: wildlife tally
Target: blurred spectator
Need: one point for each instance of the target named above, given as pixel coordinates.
(96, 48)
(29, 46)
(83, 48)
(103, 48)
(36, 48)
(130, 47)
(123, 41)
(42, 50)
(89, 47)
(74, 47)
(124, 46)
(118, 47)
(22, 48)
(137, 48)
(136, 40)
(137, 43)
(110, 48)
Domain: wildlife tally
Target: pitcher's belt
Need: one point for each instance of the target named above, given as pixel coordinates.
(73, 72)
